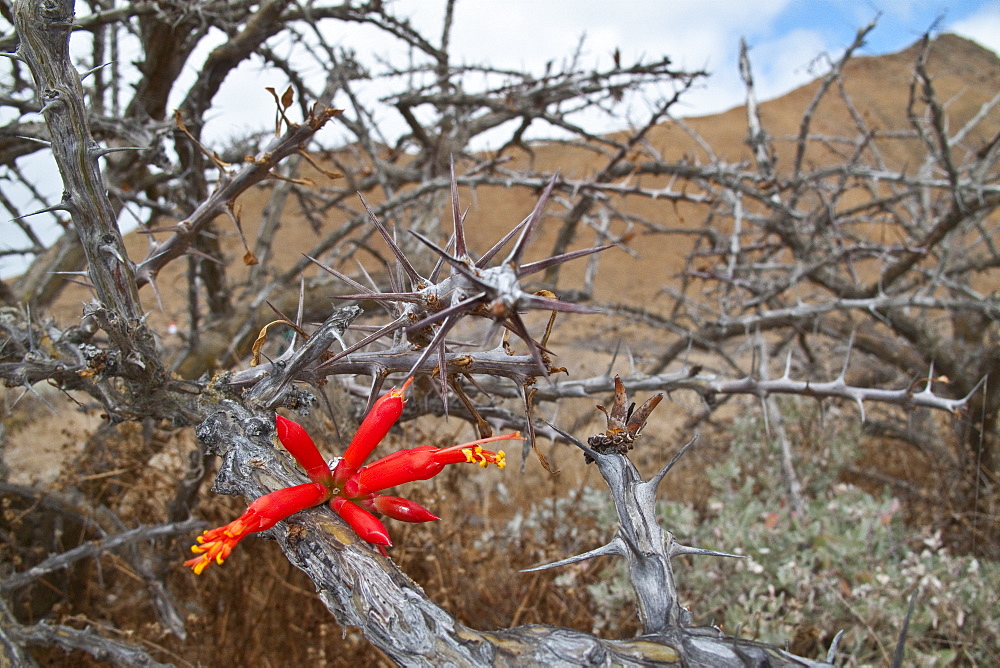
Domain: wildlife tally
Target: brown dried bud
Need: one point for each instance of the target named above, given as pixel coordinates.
(625, 423)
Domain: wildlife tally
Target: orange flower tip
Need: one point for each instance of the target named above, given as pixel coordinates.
(198, 565)
(213, 545)
(401, 392)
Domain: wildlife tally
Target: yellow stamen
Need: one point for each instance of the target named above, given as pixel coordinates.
(476, 455)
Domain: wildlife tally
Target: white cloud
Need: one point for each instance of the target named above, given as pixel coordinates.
(983, 27)
(789, 61)
(694, 34)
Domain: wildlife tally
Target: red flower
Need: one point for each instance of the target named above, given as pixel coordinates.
(396, 469)
(403, 510)
(216, 544)
(366, 525)
(351, 488)
(422, 463)
(372, 430)
(298, 443)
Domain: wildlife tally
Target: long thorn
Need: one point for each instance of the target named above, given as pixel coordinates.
(488, 255)
(444, 313)
(393, 246)
(522, 331)
(535, 267)
(379, 333)
(460, 249)
(533, 219)
(344, 277)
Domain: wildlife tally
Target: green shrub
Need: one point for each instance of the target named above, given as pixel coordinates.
(848, 563)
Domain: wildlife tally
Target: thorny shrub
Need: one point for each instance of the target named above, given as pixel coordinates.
(850, 562)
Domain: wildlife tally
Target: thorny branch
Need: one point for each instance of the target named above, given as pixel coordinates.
(93, 549)
(847, 252)
(398, 618)
(16, 638)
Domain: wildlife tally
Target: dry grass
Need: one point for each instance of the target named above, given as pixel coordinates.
(257, 609)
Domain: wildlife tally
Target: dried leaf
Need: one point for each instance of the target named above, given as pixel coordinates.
(282, 104)
(303, 181)
(261, 340)
(482, 426)
(278, 112)
(529, 402)
(326, 172)
(180, 122)
(211, 155)
(542, 460)
(233, 210)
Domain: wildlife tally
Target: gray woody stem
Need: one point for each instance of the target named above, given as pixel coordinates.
(44, 29)
(363, 589)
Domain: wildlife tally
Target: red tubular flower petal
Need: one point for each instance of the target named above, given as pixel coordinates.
(216, 544)
(278, 505)
(299, 444)
(373, 429)
(398, 468)
(403, 510)
(366, 525)
(421, 464)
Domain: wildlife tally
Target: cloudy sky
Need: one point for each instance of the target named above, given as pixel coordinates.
(785, 37)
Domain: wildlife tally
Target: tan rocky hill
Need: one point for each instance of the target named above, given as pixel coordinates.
(878, 88)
